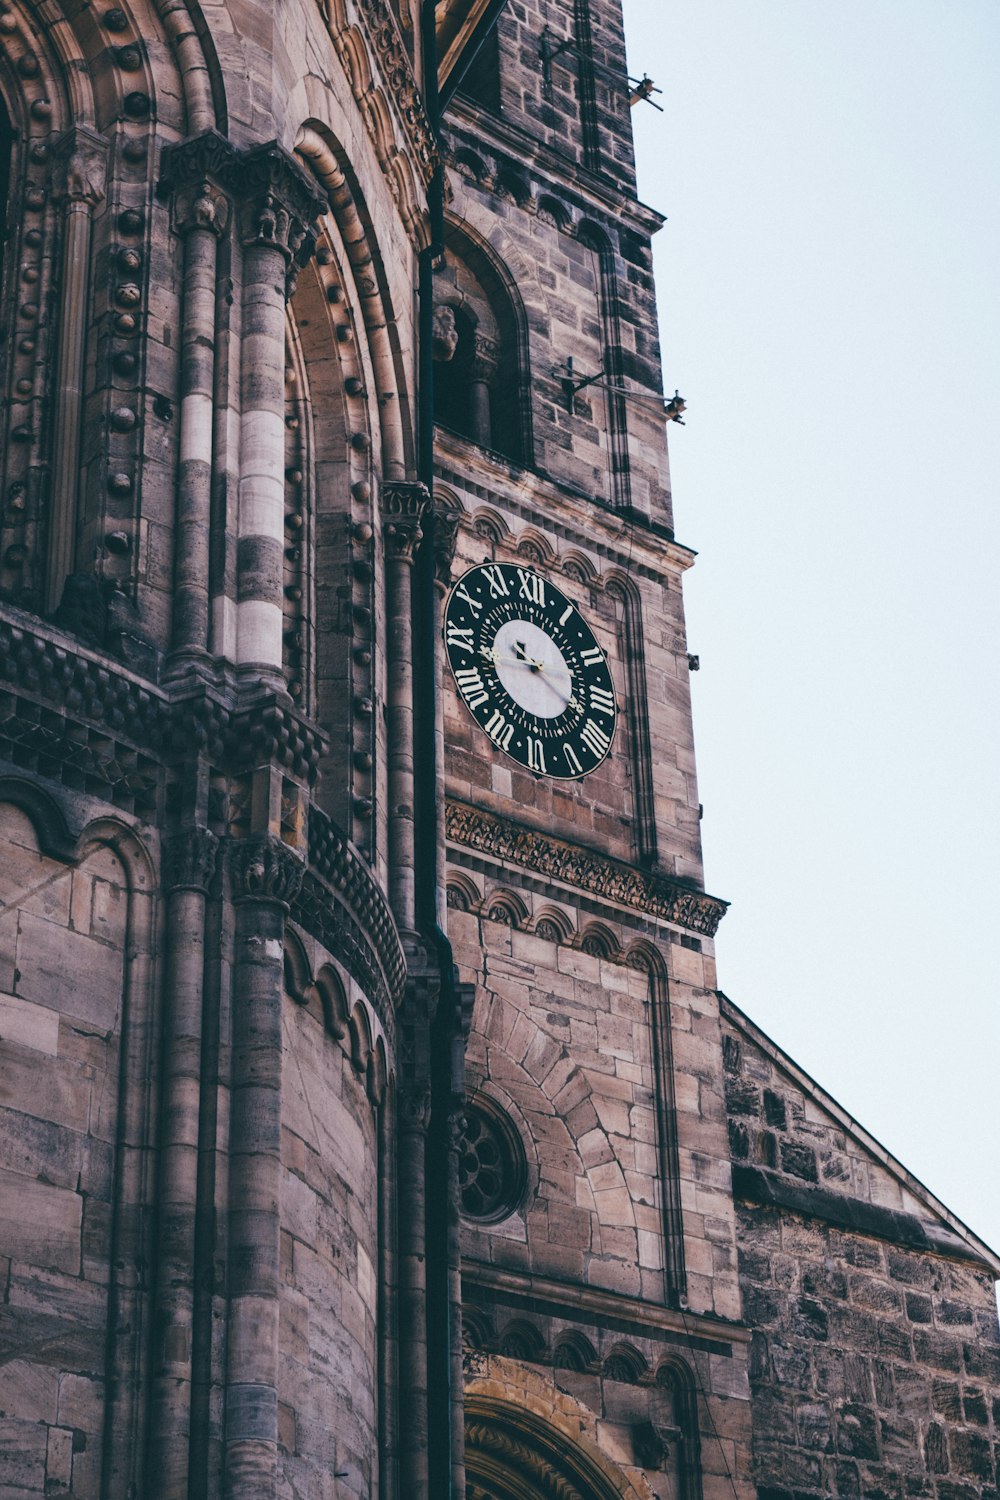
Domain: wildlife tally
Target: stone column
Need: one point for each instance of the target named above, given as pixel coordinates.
(266, 876)
(413, 1120)
(278, 204)
(482, 372)
(201, 214)
(403, 505)
(85, 156)
(189, 860)
(445, 541)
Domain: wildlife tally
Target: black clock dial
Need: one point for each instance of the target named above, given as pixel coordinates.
(530, 671)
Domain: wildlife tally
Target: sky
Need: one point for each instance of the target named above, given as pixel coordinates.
(829, 294)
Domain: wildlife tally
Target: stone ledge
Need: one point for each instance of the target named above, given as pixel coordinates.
(756, 1185)
(656, 895)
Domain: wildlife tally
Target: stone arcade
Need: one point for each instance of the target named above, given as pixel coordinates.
(371, 1122)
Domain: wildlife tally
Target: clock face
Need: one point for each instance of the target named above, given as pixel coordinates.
(530, 671)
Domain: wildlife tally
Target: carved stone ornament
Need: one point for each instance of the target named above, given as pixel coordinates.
(201, 205)
(189, 860)
(652, 1443)
(644, 891)
(265, 869)
(403, 505)
(485, 358)
(446, 524)
(80, 157)
(444, 334)
(414, 1106)
(401, 84)
(508, 1451)
(279, 202)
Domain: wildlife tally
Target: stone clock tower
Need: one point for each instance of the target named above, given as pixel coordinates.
(371, 1124)
(599, 1276)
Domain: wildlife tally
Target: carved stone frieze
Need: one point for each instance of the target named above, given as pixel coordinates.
(509, 1451)
(645, 891)
(264, 869)
(189, 860)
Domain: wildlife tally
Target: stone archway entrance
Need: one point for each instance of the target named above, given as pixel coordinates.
(524, 1440)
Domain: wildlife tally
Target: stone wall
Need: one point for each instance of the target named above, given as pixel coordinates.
(875, 1364)
(62, 936)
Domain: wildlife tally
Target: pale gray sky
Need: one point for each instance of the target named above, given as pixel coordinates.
(830, 309)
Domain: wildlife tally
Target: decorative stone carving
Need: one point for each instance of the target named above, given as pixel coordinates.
(80, 158)
(278, 201)
(485, 358)
(201, 205)
(444, 335)
(403, 505)
(189, 860)
(642, 890)
(652, 1443)
(380, 24)
(265, 869)
(445, 541)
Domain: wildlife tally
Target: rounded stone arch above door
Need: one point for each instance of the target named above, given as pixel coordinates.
(526, 1440)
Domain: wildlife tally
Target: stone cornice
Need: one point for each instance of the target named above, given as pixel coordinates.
(611, 880)
(561, 1299)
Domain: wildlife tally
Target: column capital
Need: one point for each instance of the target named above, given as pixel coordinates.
(81, 159)
(279, 201)
(265, 869)
(404, 503)
(189, 860)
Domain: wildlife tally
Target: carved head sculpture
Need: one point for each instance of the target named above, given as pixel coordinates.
(445, 333)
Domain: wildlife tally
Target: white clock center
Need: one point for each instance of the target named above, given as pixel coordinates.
(531, 667)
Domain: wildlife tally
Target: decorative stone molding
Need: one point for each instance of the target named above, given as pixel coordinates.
(645, 891)
(485, 357)
(414, 1106)
(265, 869)
(189, 860)
(381, 27)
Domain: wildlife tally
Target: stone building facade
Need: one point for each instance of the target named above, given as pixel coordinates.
(371, 1123)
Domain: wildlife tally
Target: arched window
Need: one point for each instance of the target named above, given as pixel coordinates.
(481, 389)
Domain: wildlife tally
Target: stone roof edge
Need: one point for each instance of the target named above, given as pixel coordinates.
(977, 1247)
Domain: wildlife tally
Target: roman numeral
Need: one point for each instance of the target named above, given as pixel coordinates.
(532, 587)
(565, 614)
(476, 605)
(471, 683)
(592, 656)
(536, 755)
(496, 581)
(595, 739)
(459, 636)
(499, 731)
(571, 760)
(602, 702)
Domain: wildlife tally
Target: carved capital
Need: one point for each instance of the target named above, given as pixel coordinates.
(208, 155)
(414, 1106)
(265, 869)
(403, 506)
(81, 159)
(189, 860)
(485, 358)
(279, 203)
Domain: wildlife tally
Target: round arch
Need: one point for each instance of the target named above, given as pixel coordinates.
(533, 1442)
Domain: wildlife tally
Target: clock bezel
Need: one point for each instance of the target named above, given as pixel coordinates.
(585, 732)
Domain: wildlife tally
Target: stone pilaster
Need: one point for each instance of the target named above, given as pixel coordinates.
(188, 869)
(265, 877)
(403, 506)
